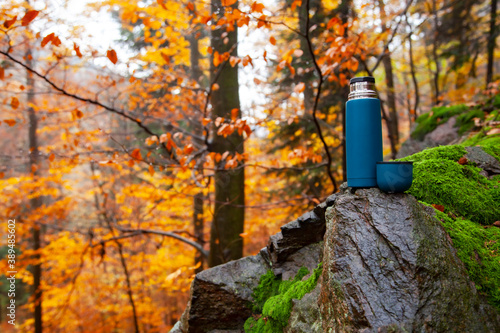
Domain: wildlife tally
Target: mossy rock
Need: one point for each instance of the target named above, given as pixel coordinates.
(273, 300)
(439, 179)
(470, 203)
(428, 122)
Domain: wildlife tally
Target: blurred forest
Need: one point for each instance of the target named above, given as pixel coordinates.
(199, 129)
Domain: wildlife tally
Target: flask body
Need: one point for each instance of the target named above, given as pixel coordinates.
(363, 141)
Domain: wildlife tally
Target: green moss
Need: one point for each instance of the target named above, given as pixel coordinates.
(479, 249)
(470, 202)
(465, 121)
(439, 179)
(276, 296)
(439, 115)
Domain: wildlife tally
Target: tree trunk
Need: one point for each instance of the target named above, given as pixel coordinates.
(308, 76)
(491, 42)
(197, 76)
(393, 124)
(229, 212)
(435, 55)
(36, 202)
(413, 73)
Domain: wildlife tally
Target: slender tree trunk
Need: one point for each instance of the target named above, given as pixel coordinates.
(413, 73)
(229, 212)
(344, 16)
(389, 81)
(435, 55)
(491, 42)
(198, 228)
(197, 75)
(36, 202)
(308, 75)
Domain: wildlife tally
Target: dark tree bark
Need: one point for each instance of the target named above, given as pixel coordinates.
(491, 42)
(225, 241)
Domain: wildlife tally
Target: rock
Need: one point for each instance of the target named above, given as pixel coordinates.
(483, 160)
(442, 135)
(390, 267)
(220, 296)
(305, 316)
(307, 229)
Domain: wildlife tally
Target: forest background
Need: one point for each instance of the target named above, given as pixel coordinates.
(198, 131)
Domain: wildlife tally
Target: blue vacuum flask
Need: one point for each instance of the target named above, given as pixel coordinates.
(363, 133)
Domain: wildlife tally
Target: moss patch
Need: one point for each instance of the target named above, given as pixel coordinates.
(273, 300)
(439, 179)
(439, 115)
(479, 249)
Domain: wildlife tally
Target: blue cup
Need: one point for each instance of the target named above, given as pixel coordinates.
(394, 177)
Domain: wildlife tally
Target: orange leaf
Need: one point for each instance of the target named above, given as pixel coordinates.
(247, 130)
(2, 73)
(234, 114)
(112, 56)
(78, 113)
(190, 6)
(299, 88)
(136, 154)
(10, 122)
(257, 7)
(217, 59)
(205, 121)
(463, 160)
(47, 39)
(77, 50)
(272, 40)
(163, 138)
(228, 2)
(162, 3)
(188, 149)
(166, 58)
(438, 207)
(28, 17)
(151, 170)
(14, 103)
(215, 86)
(8, 23)
(2, 174)
(34, 167)
(210, 49)
(52, 157)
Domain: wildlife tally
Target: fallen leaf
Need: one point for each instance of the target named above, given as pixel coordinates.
(438, 207)
(497, 224)
(463, 160)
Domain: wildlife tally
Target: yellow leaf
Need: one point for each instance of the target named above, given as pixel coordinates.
(111, 54)
(28, 17)
(14, 103)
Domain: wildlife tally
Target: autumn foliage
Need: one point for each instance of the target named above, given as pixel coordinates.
(114, 152)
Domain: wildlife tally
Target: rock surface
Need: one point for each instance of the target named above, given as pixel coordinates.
(483, 160)
(444, 134)
(389, 266)
(220, 296)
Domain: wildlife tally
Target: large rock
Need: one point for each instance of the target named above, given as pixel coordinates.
(389, 266)
(444, 134)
